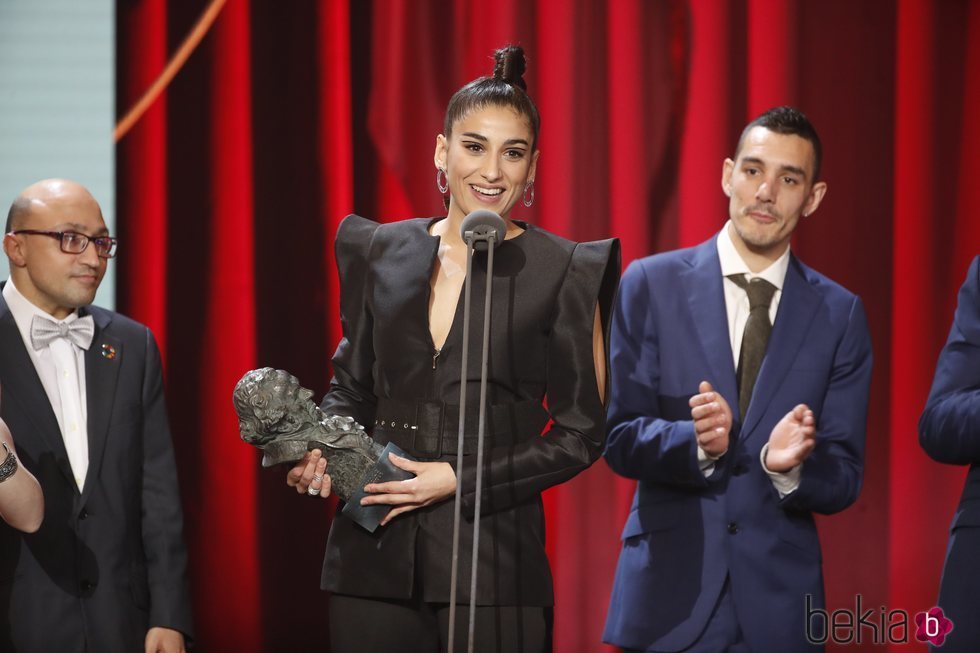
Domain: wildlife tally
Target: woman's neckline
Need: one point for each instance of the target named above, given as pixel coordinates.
(525, 227)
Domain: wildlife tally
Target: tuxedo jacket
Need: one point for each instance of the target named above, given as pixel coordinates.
(390, 377)
(949, 431)
(686, 533)
(108, 562)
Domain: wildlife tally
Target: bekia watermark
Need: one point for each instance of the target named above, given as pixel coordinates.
(874, 625)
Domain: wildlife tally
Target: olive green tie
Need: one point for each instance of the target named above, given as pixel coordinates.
(754, 338)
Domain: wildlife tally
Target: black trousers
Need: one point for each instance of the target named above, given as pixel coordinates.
(364, 625)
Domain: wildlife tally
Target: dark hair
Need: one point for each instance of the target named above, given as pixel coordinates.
(17, 214)
(505, 88)
(787, 120)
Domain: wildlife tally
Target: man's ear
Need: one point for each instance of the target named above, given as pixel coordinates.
(726, 176)
(817, 193)
(13, 247)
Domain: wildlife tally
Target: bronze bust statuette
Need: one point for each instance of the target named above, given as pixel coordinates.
(276, 414)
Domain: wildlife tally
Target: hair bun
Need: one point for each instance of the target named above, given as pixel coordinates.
(510, 65)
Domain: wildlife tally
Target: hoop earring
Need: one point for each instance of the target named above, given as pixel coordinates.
(442, 181)
(528, 201)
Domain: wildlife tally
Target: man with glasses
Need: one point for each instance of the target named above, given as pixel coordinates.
(83, 396)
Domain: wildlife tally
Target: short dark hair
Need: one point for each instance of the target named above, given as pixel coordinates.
(505, 88)
(17, 214)
(787, 120)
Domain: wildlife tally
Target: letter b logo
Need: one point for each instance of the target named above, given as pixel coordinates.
(932, 626)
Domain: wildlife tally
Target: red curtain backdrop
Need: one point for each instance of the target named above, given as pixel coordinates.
(292, 114)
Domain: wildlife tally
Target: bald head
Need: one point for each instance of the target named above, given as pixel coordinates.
(53, 279)
(52, 194)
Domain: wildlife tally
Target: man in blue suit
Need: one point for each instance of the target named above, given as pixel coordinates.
(739, 400)
(949, 431)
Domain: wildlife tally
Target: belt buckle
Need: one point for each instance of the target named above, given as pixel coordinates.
(429, 416)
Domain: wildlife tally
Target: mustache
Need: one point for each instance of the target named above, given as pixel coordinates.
(756, 208)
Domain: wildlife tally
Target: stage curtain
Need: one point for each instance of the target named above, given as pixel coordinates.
(935, 237)
(292, 114)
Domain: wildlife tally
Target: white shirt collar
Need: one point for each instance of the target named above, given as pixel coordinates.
(732, 263)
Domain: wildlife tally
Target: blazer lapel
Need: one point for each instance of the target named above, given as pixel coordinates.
(102, 361)
(794, 316)
(706, 298)
(21, 384)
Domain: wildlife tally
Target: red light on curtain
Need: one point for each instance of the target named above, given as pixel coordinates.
(142, 210)
(967, 243)
(229, 600)
(912, 368)
(772, 58)
(628, 169)
(705, 142)
(336, 150)
(556, 75)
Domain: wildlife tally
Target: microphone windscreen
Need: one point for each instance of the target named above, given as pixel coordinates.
(478, 225)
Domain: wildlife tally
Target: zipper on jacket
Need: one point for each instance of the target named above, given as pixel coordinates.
(435, 356)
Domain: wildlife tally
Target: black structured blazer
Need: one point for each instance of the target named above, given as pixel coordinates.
(109, 562)
(390, 378)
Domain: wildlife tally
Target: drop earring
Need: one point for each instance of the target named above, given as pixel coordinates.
(528, 201)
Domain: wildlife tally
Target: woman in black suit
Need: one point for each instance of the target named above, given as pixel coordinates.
(397, 371)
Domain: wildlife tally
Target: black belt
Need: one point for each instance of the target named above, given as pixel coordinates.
(429, 428)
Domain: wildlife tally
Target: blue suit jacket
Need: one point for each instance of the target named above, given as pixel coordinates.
(686, 533)
(949, 431)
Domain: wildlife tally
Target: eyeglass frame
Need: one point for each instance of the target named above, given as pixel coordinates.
(60, 235)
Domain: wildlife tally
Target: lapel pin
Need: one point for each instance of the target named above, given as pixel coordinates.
(108, 351)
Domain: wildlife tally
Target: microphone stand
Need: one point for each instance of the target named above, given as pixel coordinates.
(471, 237)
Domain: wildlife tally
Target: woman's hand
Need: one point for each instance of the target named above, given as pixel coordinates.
(21, 499)
(309, 476)
(433, 482)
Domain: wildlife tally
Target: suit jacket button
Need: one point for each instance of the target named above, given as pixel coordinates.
(87, 586)
(732, 527)
(738, 470)
(83, 515)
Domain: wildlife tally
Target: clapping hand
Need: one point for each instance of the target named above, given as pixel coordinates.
(792, 440)
(712, 420)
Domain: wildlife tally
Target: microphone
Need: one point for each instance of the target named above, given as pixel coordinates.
(482, 226)
(479, 229)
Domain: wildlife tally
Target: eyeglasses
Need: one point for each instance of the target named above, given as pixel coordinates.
(73, 242)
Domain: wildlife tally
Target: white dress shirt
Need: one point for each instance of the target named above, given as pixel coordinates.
(736, 298)
(61, 368)
(737, 310)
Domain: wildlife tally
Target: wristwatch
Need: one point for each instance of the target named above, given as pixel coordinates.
(9, 464)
